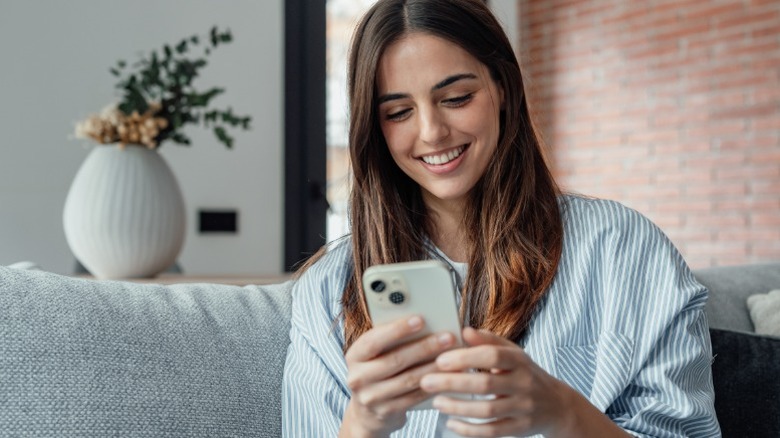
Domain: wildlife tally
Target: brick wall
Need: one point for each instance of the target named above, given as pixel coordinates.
(669, 106)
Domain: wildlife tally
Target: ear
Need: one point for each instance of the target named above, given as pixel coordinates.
(501, 96)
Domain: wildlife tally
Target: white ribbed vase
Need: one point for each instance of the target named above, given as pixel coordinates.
(124, 214)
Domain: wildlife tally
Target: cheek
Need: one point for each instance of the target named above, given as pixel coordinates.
(396, 139)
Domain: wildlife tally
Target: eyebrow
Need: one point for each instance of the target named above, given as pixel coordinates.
(447, 81)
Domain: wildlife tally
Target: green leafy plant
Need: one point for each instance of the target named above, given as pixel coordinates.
(159, 98)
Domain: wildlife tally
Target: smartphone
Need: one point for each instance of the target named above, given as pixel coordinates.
(424, 288)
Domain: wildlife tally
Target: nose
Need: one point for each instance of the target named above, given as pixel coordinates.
(433, 127)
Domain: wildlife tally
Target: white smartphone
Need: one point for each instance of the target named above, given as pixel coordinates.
(424, 288)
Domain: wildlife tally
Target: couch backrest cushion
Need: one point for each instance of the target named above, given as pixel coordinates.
(730, 286)
(99, 358)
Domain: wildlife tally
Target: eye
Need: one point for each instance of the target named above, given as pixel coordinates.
(458, 101)
(398, 115)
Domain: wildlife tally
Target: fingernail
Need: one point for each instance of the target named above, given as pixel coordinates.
(428, 382)
(445, 339)
(443, 361)
(438, 402)
(415, 322)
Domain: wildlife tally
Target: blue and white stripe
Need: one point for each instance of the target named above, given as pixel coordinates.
(623, 323)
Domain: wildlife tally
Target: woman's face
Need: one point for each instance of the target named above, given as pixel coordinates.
(439, 112)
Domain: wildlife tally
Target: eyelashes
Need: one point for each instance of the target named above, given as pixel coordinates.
(398, 116)
(459, 101)
(454, 102)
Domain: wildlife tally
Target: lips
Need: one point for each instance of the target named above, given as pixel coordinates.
(443, 163)
(444, 157)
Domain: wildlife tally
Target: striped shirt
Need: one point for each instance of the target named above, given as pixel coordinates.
(623, 323)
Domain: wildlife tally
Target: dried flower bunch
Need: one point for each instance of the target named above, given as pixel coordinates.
(158, 99)
(114, 126)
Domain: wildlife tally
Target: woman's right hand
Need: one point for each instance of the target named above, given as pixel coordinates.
(385, 381)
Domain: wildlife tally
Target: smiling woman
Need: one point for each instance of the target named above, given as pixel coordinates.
(577, 337)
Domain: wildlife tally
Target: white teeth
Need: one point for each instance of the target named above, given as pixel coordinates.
(444, 158)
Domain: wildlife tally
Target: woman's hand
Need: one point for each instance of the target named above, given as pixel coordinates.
(527, 399)
(385, 380)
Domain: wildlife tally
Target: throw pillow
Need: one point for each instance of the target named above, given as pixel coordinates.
(765, 312)
(747, 390)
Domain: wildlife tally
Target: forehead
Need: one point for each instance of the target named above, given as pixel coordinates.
(422, 60)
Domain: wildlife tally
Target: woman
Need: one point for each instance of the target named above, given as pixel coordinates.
(586, 321)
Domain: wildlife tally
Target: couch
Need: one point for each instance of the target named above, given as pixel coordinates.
(86, 358)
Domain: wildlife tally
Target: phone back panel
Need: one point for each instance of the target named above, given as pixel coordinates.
(426, 288)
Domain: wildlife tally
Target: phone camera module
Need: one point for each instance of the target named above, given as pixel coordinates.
(378, 286)
(397, 298)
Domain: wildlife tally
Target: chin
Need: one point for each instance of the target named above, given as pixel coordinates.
(448, 196)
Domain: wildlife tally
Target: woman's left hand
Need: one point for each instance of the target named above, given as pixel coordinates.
(527, 399)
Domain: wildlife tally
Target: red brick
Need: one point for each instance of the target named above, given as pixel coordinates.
(765, 163)
(653, 136)
(755, 3)
(721, 190)
(716, 161)
(683, 177)
(748, 204)
(747, 111)
(685, 206)
(748, 19)
(680, 148)
(765, 251)
(668, 221)
(766, 187)
(771, 29)
(745, 173)
(768, 218)
(768, 47)
(719, 248)
(767, 122)
(622, 179)
(685, 31)
(710, 10)
(728, 260)
(714, 130)
(747, 234)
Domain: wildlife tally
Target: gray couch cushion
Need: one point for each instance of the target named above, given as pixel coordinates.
(86, 358)
(730, 286)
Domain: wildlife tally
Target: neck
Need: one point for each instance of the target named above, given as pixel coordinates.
(448, 231)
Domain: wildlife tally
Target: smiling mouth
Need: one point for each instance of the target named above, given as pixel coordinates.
(444, 158)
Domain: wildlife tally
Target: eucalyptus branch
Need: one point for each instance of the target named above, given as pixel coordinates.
(161, 87)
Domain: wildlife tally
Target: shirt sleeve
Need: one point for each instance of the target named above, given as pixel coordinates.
(312, 401)
(314, 394)
(670, 392)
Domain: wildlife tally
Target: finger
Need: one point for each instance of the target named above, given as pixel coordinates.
(474, 337)
(501, 427)
(496, 408)
(398, 405)
(396, 361)
(397, 386)
(380, 338)
(483, 357)
(468, 383)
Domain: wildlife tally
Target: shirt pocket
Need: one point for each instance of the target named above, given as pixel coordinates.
(600, 370)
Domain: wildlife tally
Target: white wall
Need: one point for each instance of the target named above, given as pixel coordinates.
(506, 11)
(54, 60)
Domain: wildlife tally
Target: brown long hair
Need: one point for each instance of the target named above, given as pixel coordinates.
(512, 220)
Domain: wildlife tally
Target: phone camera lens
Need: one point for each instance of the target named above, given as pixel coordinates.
(397, 298)
(378, 286)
